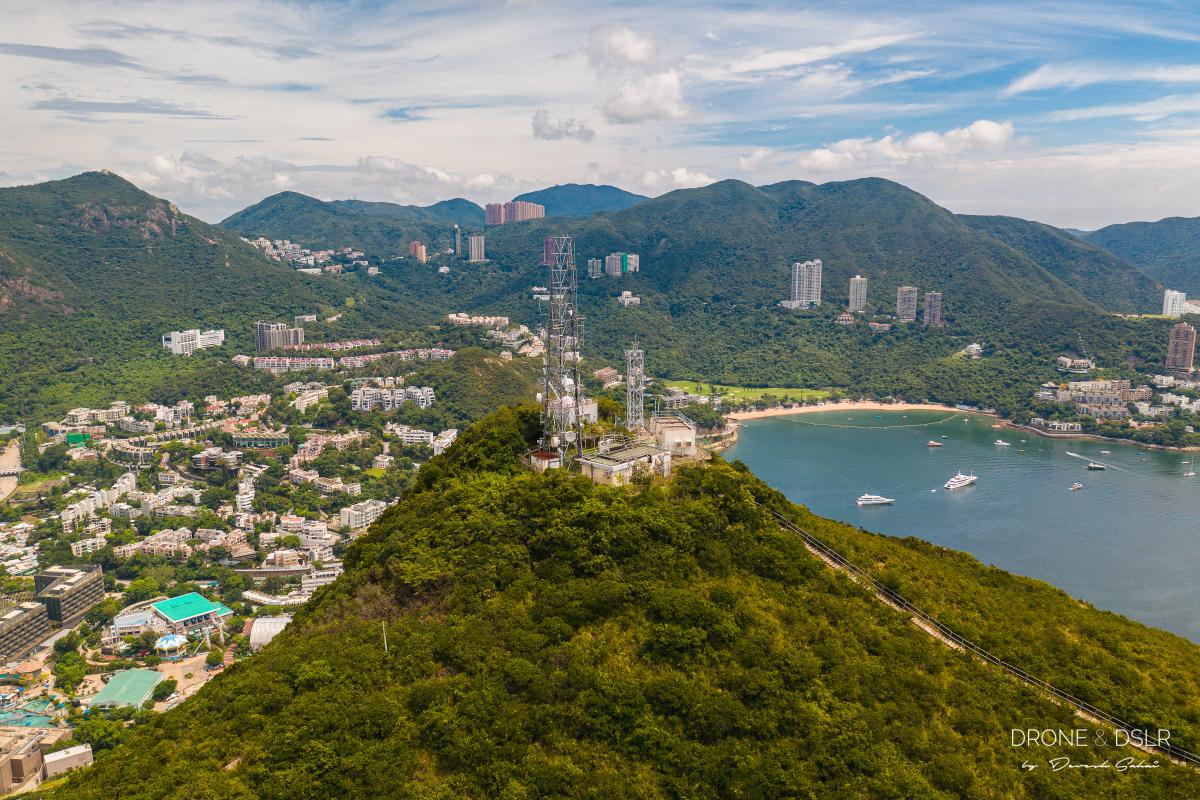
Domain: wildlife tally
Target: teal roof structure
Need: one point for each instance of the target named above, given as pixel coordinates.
(132, 687)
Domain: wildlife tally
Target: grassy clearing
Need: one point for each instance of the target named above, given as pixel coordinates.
(748, 394)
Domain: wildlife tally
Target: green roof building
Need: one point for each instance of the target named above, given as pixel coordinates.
(191, 612)
(131, 687)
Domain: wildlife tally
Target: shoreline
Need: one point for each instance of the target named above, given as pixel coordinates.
(1095, 437)
(738, 417)
(846, 405)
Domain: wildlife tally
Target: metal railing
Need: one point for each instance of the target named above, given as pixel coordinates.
(898, 600)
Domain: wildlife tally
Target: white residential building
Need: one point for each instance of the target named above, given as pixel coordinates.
(184, 343)
(1174, 303)
(805, 286)
(362, 514)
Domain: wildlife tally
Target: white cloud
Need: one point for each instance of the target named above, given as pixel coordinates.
(980, 136)
(1074, 76)
(757, 157)
(764, 61)
(678, 178)
(545, 128)
(658, 96)
(615, 49)
(1148, 111)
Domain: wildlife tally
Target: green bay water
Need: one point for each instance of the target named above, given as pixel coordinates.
(1126, 542)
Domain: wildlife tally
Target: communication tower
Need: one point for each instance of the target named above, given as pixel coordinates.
(562, 390)
(635, 388)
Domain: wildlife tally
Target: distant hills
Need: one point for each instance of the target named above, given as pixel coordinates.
(383, 229)
(1098, 274)
(1167, 250)
(93, 271)
(581, 199)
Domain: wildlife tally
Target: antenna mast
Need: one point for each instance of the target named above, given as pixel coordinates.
(562, 390)
(635, 388)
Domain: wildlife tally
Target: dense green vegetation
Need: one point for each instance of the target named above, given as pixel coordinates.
(581, 199)
(548, 638)
(1166, 250)
(93, 271)
(1112, 282)
(381, 229)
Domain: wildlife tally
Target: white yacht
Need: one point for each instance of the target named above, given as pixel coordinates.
(960, 480)
(1002, 443)
(875, 500)
(1092, 465)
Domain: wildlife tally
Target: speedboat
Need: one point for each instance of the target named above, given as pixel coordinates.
(960, 480)
(1092, 465)
(875, 500)
(1075, 487)
(932, 443)
(1106, 452)
(1001, 443)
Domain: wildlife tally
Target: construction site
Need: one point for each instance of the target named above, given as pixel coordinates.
(572, 437)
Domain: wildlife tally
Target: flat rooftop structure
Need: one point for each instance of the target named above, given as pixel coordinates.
(615, 463)
(624, 455)
(131, 687)
(189, 606)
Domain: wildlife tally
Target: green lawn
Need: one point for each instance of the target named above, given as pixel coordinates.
(748, 394)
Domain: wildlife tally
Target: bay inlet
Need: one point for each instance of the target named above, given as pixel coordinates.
(1126, 541)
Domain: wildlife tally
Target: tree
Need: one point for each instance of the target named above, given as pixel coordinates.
(142, 589)
(164, 689)
(215, 657)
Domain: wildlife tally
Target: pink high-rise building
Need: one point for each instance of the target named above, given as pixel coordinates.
(493, 214)
(417, 251)
(521, 210)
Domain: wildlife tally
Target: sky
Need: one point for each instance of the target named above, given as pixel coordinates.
(1079, 114)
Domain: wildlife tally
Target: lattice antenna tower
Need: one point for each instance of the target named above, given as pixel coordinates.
(562, 390)
(635, 388)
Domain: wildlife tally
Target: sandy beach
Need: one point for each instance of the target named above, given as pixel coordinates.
(841, 405)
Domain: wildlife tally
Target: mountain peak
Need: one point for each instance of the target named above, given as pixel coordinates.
(581, 199)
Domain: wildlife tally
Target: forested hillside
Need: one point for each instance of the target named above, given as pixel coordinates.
(715, 262)
(93, 272)
(1113, 282)
(381, 229)
(581, 199)
(549, 638)
(1168, 250)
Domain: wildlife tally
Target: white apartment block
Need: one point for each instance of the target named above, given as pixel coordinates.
(87, 546)
(184, 343)
(443, 440)
(362, 514)
(1174, 303)
(805, 286)
(371, 398)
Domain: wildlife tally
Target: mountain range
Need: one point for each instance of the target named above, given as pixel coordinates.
(1167, 250)
(581, 199)
(95, 270)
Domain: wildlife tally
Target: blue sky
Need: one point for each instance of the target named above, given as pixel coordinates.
(1077, 114)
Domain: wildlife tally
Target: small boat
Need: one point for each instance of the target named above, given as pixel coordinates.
(875, 500)
(1001, 443)
(1092, 465)
(932, 443)
(960, 480)
(1075, 487)
(1106, 452)
(945, 436)
(1191, 473)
